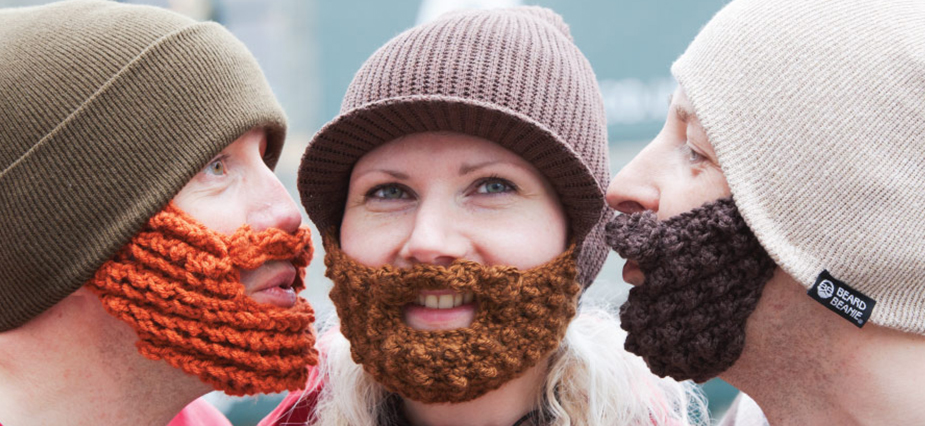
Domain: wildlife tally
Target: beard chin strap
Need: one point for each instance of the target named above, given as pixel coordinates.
(704, 274)
(521, 317)
(177, 283)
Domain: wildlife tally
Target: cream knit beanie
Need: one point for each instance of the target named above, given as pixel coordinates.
(511, 76)
(106, 111)
(816, 110)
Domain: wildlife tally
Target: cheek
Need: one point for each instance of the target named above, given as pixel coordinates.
(709, 186)
(222, 213)
(373, 240)
(523, 240)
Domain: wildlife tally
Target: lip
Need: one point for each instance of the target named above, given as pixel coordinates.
(429, 319)
(632, 274)
(277, 289)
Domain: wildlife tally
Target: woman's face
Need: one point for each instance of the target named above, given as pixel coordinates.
(433, 198)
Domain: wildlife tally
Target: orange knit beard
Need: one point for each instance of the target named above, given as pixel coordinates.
(521, 318)
(177, 283)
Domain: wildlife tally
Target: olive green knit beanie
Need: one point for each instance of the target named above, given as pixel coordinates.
(511, 76)
(107, 111)
(816, 110)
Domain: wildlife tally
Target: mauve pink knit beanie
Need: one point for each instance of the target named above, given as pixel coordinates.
(511, 76)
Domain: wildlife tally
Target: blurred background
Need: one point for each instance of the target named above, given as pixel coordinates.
(310, 50)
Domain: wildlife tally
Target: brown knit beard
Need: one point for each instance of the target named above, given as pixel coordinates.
(521, 317)
(704, 273)
(177, 283)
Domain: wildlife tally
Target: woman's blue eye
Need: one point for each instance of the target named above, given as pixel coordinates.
(494, 186)
(389, 192)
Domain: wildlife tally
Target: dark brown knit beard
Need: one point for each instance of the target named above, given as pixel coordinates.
(704, 273)
(521, 317)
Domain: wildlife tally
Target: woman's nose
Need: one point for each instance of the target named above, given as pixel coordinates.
(436, 237)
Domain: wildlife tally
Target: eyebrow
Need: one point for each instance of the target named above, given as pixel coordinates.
(682, 113)
(469, 168)
(393, 173)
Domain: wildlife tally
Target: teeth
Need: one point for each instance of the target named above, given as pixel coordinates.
(445, 301)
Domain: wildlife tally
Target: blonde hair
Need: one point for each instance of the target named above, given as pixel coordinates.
(592, 381)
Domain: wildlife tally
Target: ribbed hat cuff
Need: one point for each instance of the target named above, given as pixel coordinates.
(139, 139)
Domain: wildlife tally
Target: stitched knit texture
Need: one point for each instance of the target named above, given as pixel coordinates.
(177, 283)
(511, 76)
(521, 316)
(704, 273)
(816, 112)
(107, 111)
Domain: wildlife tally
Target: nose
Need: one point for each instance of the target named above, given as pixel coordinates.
(635, 188)
(435, 239)
(273, 206)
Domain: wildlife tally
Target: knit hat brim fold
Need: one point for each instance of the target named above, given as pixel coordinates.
(324, 174)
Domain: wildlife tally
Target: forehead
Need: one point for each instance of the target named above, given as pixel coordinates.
(442, 147)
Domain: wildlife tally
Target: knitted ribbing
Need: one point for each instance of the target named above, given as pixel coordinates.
(511, 76)
(177, 283)
(107, 110)
(816, 112)
(521, 316)
(704, 273)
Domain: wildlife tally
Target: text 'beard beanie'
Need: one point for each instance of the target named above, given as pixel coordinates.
(107, 111)
(816, 110)
(511, 76)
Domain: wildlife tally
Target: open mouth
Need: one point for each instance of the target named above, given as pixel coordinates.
(444, 300)
(278, 285)
(441, 310)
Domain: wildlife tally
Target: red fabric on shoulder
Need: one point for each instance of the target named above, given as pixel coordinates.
(297, 408)
(200, 413)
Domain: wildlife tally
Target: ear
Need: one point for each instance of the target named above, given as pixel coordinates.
(82, 307)
(62, 322)
(83, 292)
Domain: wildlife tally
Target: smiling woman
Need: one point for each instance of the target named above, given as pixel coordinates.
(432, 198)
(460, 201)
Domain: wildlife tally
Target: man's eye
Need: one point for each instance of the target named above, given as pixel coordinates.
(387, 192)
(494, 186)
(216, 168)
(691, 155)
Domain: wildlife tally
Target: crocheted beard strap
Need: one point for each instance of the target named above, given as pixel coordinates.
(704, 273)
(521, 317)
(177, 284)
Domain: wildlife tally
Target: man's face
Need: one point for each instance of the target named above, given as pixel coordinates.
(677, 172)
(697, 269)
(238, 188)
